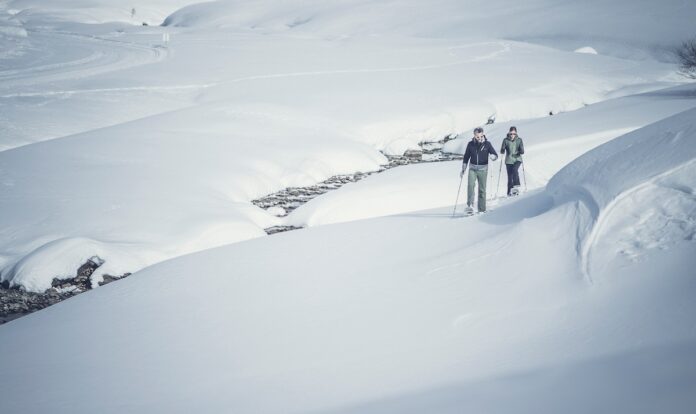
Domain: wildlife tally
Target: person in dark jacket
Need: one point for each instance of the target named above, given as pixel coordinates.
(513, 148)
(476, 157)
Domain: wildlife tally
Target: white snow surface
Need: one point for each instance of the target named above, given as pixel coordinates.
(114, 136)
(586, 49)
(410, 313)
(550, 142)
(96, 11)
(141, 147)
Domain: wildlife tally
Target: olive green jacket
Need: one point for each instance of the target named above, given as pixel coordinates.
(513, 150)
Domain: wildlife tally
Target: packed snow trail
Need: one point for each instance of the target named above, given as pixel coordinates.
(99, 56)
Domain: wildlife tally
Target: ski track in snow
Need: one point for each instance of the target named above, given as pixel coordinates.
(117, 56)
(160, 54)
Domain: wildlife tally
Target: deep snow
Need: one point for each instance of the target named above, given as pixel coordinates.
(144, 146)
(153, 148)
(550, 142)
(488, 312)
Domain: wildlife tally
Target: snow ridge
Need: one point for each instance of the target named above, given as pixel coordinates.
(604, 177)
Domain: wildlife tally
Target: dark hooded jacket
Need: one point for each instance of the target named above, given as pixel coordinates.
(477, 153)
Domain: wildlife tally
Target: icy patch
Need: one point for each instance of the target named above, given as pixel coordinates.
(277, 211)
(587, 49)
(67, 289)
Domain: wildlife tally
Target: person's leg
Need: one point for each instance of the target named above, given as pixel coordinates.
(516, 173)
(471, 181)
(482, 177)
(510, 171)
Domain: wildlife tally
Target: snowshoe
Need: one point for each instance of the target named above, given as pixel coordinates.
(515, 191)
(469, 211)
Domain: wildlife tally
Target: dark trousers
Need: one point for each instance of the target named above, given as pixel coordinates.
(513, 173)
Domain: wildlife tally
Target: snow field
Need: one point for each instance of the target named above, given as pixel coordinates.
(430, 309)
(575, 297)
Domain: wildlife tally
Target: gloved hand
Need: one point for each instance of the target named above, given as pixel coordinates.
(494, 157)
(461, 174)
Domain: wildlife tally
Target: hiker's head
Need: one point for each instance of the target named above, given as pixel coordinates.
(478, 134)
(513, 132)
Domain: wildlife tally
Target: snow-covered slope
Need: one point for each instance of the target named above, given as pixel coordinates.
(648, 175)
(96, 11)
(410, 313)
(134, 199)
(611, 27)
(160, 136)
(550, 142)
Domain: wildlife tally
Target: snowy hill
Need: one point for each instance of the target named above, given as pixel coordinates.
(95, 11)
(553, 143)
(435, 312)
(238, 104)
(141, 148)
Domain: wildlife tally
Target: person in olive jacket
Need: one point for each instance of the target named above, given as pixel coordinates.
(476, 157)
(513, 148)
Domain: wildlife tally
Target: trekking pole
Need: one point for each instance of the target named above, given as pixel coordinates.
(524, 177)
(500, 172)
(489, 174)
(461, 179)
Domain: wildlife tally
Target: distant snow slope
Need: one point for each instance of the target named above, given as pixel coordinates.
(143, 143)
(610, 26)
(97, 11)
(412, 313)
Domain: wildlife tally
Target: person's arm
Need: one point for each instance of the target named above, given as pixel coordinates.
(492, 150)
(467, 156)
(520, 150)
(502, 148)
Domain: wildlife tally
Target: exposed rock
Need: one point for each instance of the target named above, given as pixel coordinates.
(280, 229)
(291, 198)
(109, 278)
(16, 302)
(414, 154)
(82, 279)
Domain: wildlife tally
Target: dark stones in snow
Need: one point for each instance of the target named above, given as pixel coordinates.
(291, 198)
(280, 229)
(15, 302)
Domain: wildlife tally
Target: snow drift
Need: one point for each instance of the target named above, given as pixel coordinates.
(151, 197)
(602, 180)
(156, 147)
(409, 313)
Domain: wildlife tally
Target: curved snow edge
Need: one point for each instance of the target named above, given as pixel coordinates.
(604, 176)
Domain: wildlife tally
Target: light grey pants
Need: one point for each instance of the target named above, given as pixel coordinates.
(479, 175)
